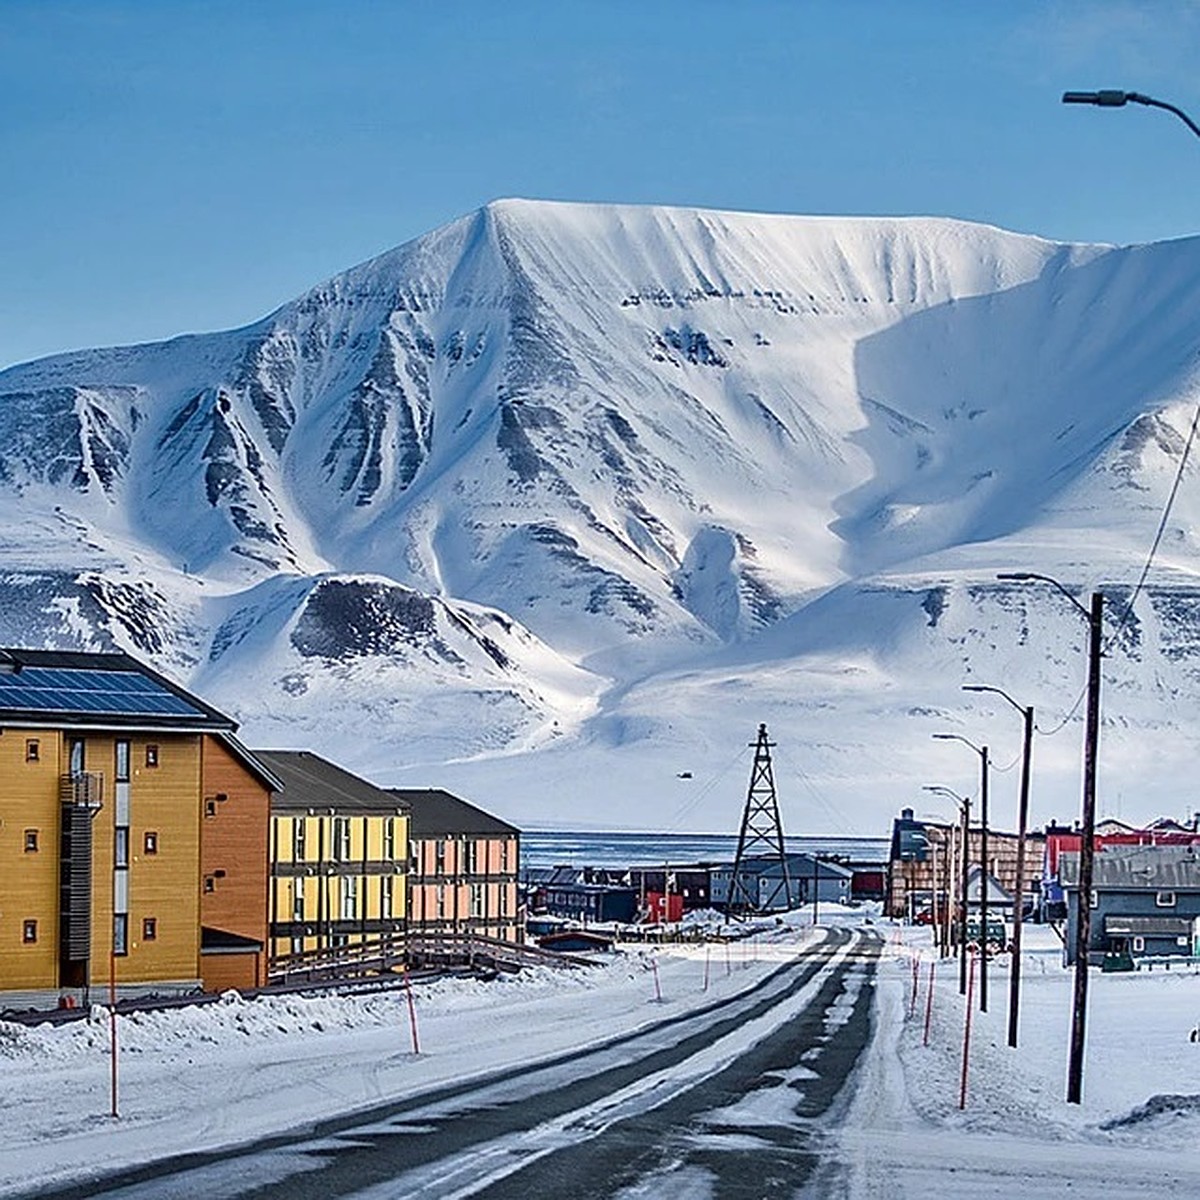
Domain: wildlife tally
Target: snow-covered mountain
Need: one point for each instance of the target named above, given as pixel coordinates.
(556, 503)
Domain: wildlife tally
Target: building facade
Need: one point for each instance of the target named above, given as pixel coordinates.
(1145, 901)
(101, 794)
(463, 867)
(339, 857)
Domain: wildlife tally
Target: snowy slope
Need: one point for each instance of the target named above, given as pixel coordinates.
(559, 501)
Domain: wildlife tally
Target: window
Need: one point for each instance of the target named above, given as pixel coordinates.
(121, 933)
(210, 885)
(477, 899)
(149, 929)
(29, 932)
(472, 849)
(150, 843)
(210, 807)
(298, 900)
(76, 757)
(151, 754)
(414, 857)
(504, 855)
(441, 900)
(341, 839)
(298, 827)
(385, 895)
(349, 897)
(1165, 899)
(31, 841)
(1139, 943)
(32, 750)
(439, 853)
(121, 755)
(389, 838)
(121, 846)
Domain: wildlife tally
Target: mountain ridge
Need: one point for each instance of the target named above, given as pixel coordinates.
(628, 441)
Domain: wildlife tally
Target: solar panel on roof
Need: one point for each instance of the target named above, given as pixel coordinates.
(55, 689)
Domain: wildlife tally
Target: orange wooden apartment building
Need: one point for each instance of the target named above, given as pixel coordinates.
(133, 833)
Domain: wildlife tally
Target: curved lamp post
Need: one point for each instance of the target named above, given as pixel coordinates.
(1110, 98)
(982, 751)
(1014, 981)
(1087, 824)
(964, 807)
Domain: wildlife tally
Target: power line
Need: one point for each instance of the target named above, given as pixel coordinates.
(1158, 536)
(1066, 720)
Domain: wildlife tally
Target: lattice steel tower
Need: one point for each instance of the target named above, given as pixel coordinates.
(760, 840)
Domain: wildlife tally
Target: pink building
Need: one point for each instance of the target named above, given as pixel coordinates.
(463, 864)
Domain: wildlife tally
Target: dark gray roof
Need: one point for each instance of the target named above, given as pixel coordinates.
(433, 812)
(1137, 868)
(312, 782)
(71, 687)
(219, 941)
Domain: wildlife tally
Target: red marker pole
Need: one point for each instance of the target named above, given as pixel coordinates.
(412, 1011)
(929, 1001)
(112, 1021)
(916, 974)
(657, 986)
(962, 1090)
(707, 953)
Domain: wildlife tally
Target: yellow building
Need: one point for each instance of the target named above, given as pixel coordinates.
(338, 852)
(101, 789)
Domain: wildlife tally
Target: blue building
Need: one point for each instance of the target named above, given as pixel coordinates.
(1145, 901)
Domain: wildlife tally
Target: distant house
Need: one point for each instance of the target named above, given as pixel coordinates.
(1145, 901)
(339, 856)
(592, 902)
(832, 882)
(463, 867)
(132, 831)
(920, 862)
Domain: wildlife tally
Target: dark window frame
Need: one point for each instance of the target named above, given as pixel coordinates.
(149, 929)
(31, 841)
(150, 842)
(33, 750)
(152, 755)
(29, 931)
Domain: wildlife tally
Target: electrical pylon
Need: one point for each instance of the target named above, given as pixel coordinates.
(761, 839)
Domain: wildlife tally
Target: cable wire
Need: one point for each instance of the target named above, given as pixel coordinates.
(1067, 719)
(1158, 536)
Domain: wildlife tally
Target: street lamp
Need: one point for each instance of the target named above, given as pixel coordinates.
(982, 751)
(964, 808)
(1110, 98)
(1087, 825)
(1014, 982)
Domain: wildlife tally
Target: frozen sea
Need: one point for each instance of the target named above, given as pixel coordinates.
(548, 848)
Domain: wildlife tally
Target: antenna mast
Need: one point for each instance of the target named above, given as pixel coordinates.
(761, 840)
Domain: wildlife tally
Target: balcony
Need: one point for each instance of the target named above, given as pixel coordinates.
(82, 790)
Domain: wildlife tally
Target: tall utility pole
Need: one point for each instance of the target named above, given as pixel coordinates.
(1087, 851)
(984, 766)
(761, 830)
(1094, 615)
(1014, 982)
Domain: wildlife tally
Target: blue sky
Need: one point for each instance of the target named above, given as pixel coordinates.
(180, 166)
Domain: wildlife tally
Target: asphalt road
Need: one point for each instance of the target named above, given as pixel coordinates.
(731, 1100)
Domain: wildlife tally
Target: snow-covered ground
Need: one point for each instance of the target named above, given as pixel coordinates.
(201, 1078)
(1136, 1128)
